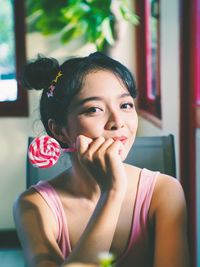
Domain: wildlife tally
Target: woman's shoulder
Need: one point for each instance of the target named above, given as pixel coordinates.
(29, 198)
(30, 203)
(32, 194)
(30, 209)
(27, 195)
(168, 196)
(166, 183)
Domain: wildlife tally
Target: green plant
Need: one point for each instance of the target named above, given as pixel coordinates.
(106, 259)
(92, 19)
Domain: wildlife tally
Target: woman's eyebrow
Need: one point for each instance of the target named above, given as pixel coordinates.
(98, 98)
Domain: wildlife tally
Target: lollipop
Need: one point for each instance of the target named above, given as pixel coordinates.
(45, 151)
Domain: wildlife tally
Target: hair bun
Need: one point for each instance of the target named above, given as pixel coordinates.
(39, 73)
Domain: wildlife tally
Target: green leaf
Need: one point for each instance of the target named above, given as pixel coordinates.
(100, 41)
(74, 32)
(68, 35)
(49, 25)
(129, 15)
(75, 11)
(81, 29)
(107, 31)
(72, 18)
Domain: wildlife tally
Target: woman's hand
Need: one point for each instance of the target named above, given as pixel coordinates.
(101, 158)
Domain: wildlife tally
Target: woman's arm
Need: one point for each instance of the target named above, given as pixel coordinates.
(101, 160)
(171, 242)
(99, 233)
(36, 225)
(36, 228)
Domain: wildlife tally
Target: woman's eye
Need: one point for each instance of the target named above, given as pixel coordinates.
(93, 110)
(127, 106)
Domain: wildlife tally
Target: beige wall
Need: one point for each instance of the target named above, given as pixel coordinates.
(170, 84)
(15, 131)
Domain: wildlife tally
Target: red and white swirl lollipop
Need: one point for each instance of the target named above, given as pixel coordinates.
(45, 151)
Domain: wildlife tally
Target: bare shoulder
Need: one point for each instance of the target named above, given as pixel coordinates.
(31, 195)
(168, 188)
(27, 197)
(37, 229)
(168, 196)
(30, 204)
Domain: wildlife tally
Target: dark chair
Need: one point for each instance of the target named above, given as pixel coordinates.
(152, 152)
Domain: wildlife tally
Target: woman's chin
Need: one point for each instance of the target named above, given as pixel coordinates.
(123, 154)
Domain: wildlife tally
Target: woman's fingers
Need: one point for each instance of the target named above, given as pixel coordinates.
(94, 147)
(82, 143)
(101, 158)
(91, 149)
(115, 148)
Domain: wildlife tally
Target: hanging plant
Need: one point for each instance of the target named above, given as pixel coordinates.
(92, 19)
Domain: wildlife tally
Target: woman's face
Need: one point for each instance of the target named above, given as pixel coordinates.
(103, 107)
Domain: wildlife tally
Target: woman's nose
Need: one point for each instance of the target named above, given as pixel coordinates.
(114, 122)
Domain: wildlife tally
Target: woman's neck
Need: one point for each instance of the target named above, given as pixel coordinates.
(82, 183)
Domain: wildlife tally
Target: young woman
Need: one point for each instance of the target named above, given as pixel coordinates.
(100, 203)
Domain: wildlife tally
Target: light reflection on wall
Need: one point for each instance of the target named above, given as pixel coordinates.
(8, 90)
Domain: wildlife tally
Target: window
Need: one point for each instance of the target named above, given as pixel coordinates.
(148, 52)
(13, 99)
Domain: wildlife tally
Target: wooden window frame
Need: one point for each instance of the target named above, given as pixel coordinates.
(190, 111)
(196, 58)
(18, 108)
(150, 108)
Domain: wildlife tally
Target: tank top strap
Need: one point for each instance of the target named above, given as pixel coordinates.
(146, 188)
(145, 191)
(52, 199)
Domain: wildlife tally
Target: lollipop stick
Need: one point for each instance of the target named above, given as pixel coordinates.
(70, 149)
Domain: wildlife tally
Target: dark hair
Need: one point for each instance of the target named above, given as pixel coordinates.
(39, 74)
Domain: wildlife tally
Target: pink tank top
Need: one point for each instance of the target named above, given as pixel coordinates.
(140, 248)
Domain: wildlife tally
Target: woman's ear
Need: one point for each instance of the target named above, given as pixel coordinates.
(59, 132)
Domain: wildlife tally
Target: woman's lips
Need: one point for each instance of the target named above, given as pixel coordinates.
(122, 139)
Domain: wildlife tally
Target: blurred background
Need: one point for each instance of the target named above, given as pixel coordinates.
(158, 40)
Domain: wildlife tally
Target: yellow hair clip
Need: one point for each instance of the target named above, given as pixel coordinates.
(57, 76)
(53, 83)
